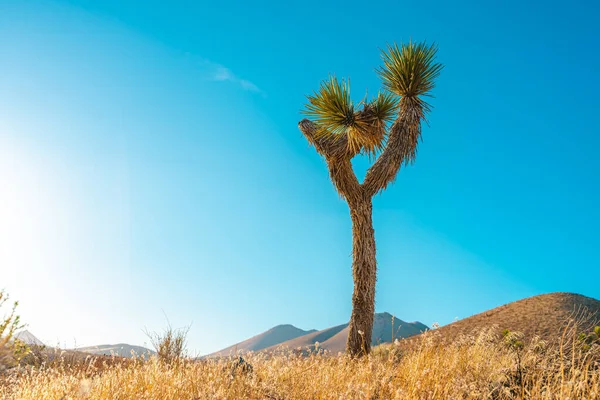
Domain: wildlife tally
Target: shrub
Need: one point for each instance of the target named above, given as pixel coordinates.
(170, 345)
(11, 349)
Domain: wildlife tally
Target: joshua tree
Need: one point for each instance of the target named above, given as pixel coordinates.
(388, 129)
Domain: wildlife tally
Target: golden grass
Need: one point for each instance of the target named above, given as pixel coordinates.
(476, 366)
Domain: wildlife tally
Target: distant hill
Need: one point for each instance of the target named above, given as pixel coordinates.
(332, 339)
(121, 350)
(544, 315)
(28, 338)
(272, 337)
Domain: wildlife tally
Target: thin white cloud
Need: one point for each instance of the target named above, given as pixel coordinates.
(247, 85)
(223, 74)
(220, 73)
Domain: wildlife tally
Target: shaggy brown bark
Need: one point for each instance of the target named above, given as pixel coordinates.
(364, 272)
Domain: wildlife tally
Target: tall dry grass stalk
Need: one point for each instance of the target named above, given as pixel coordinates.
(483, 365)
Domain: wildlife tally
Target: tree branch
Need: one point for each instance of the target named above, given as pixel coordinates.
(345, 181)
(401, 143)
(337, 153)
(329, 146)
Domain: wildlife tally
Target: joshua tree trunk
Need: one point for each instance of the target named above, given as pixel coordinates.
(364, 271)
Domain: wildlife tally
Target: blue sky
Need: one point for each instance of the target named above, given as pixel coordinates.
(151, 165)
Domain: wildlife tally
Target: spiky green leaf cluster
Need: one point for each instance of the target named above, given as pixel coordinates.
(385, 107)
(410, 71)
(364, 124)
(331, 106)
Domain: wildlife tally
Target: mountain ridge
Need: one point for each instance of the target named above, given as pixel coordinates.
(119, 349)
(268, 338)
(28, 338)
(332, 339)
(386, 328)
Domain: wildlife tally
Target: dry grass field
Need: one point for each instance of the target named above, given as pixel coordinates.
(472, 367)
(487, 362)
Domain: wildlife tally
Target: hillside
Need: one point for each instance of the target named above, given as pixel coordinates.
(544, 315)
(121, 350)
(334, 339)
(272, 337)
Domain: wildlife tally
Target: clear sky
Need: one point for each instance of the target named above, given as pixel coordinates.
(150, 164)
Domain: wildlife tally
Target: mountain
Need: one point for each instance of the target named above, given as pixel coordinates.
(310, 339)
(28, 338)
(272, 337)
(544, 315)
(334, 339)
(121, 350)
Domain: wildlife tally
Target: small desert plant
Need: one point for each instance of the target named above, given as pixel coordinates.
(38, 355)
(514, 343)
(388, 352)
(170, 345)
(587, 340)
(594, 336)
(11, 349)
